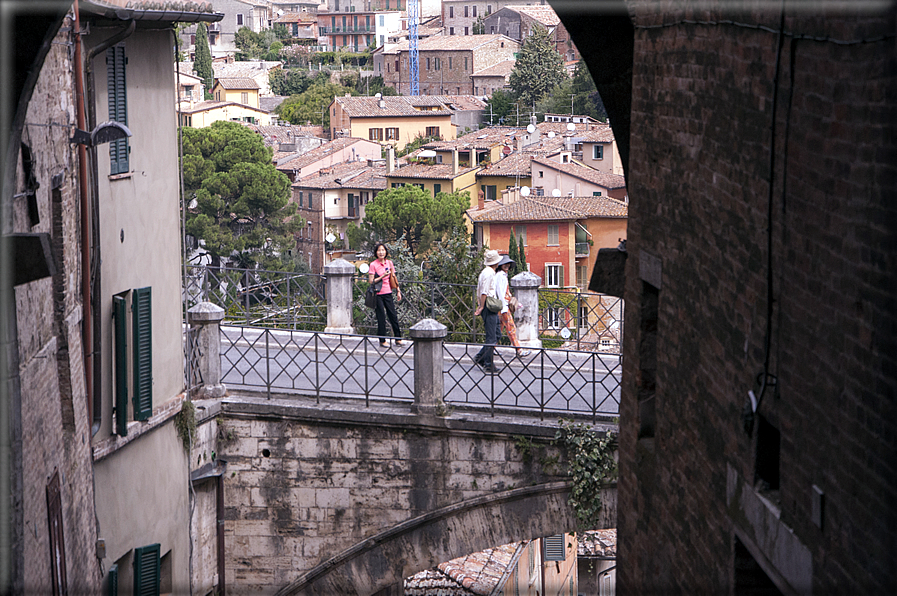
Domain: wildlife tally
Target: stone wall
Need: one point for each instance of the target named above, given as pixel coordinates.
(304, 483)
(706, 101)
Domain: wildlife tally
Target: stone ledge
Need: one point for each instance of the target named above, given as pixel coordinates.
(137, 428)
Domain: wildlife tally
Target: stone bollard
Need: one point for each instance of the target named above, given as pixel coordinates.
(428, 335)
(339, 274)
(208, 317)
(525, 286)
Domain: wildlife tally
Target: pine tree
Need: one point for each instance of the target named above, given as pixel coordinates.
(513, 254)
(202, 65)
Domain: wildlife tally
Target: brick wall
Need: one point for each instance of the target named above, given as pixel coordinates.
(702, 110)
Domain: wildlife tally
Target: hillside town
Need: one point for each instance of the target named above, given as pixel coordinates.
(447, 297)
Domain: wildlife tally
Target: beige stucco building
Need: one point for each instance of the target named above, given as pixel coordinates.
(390, 120)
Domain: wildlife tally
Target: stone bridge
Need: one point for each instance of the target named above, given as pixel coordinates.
(338, 498)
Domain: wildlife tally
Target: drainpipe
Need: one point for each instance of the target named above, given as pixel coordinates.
(87, 330)
(94, 279)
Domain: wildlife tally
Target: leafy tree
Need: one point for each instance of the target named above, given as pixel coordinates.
(242, 208)
(479, 27)
(202, 64)
(558, 101)
(248, 42)
(538, 70)
(281, 31)
(418, 142)
(586, 99)
(288, 81)
(311, 104)
(499, 106)
(408, 211)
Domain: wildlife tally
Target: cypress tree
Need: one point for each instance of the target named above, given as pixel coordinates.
(202, 65)
(521, 266)
(513, 254)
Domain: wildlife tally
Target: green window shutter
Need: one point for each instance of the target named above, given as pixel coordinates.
(142, 336)
(118, 106)
(561, 276)
(112, 585)
(147, 570)
(119, 315)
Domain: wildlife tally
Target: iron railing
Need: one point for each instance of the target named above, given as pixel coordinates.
(192, 354)
(593, 322)
(312, 363)
(547, 381)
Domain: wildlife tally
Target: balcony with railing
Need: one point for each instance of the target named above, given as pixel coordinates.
(582, 249)
(346, 30)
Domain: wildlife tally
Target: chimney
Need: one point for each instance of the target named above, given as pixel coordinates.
(390, 159)
(454, 161)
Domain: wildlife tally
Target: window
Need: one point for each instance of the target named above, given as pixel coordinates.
(57, 539)
(239, 20)
(583, 322)
(552, 318)
(597, 152)
(539, 191)
(244, 97)
(437, 64)
(451, 30)
(300, 197)
(554, 275)
(553, 235)
(309, 203)
(474, 11)
(375, 134)
(582, 279)
(466, 11)
(452, 13)
(488, 9)
(541, 174)
(428, 64)
(392, 134)
(118, 106)
(450, 62)
(147, 570)
(381, 24)
(520, 232)
(492, 29)
(432, 131)
(466, 30)
(437, 188)
(488, 192)
(465, 63)
(213, 38)
(596, 193)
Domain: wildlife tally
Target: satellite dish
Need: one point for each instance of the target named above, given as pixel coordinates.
(330, 237)
(524, 190)
(427, 153)
(364, 268)
(556, 193)
(530, 128)
(551, 134)
(571, 126)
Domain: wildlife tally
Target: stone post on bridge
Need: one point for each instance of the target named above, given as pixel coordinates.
(339, 274)
(525, 287)
(207, 318)
(428, 335)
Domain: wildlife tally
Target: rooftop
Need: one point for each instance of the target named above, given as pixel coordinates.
(478, 573)
(204, 106)
(392, 105)
(502, 69)
(598, 134)
(429, 172)
(542, 13)
(318, 153)
(244, 70)
(584, 172)
(438, 43)
(352, 174)
(550, 209)
(237, 83)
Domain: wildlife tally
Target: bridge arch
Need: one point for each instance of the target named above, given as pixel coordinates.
(475, 524)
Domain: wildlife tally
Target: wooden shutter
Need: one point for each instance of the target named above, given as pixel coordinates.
(112, 584)
(147, 570)
(554, 548)
(119, 316)
(118, 106)
(561, 276)
(142, 336)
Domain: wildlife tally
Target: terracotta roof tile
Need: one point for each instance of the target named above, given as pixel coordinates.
(244, 70)
(237, 83)
(437, 171)
(542, 13)
(502, 69)
(550, 209)
(600, 134)
(354, 174)
(453, 42)
(318, 153)
(395, 105)
(597, 543)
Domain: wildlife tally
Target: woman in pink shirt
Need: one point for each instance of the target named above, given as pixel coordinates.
(383, 270)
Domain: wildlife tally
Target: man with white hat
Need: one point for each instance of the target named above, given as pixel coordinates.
(485, 289)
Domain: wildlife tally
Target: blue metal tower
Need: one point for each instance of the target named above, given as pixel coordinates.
(413, 18)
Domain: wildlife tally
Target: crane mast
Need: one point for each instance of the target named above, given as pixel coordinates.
(413, 19)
